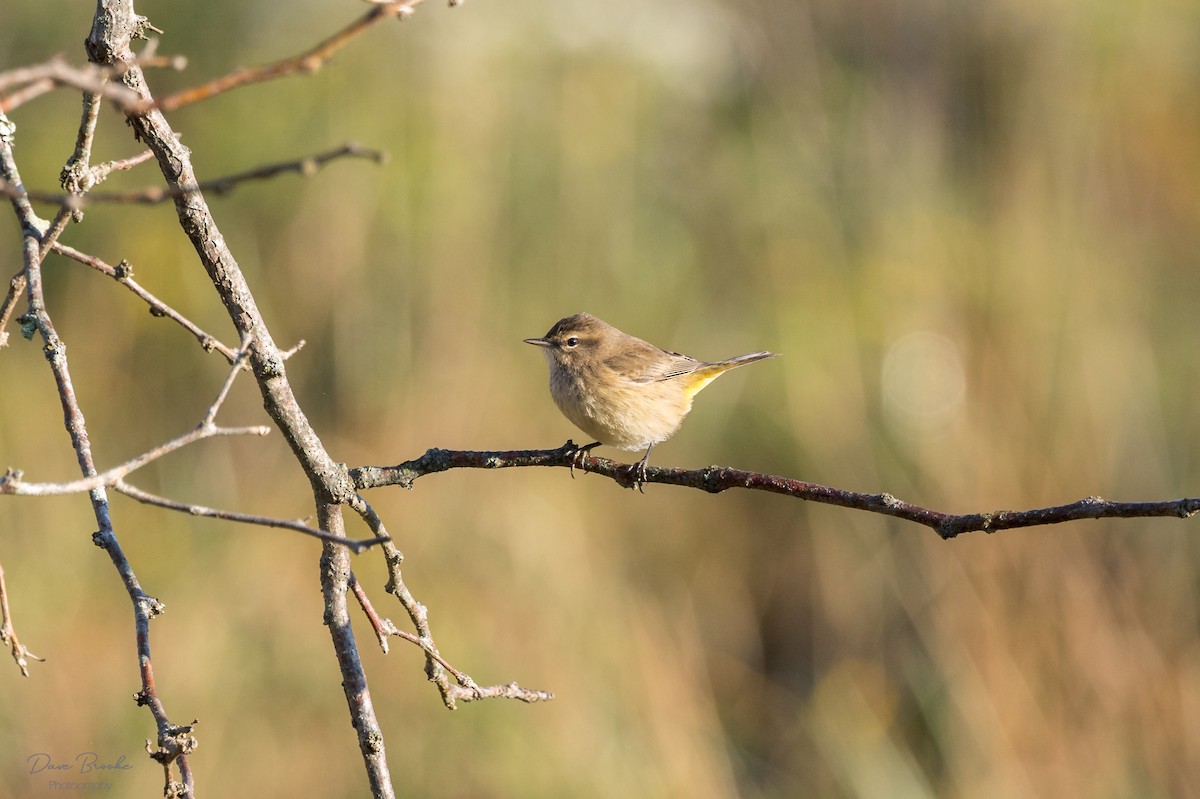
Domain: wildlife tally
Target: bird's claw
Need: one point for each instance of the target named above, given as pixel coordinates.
(579, 457)
(637, 473)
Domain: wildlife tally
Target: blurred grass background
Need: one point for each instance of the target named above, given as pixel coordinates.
(971, 229)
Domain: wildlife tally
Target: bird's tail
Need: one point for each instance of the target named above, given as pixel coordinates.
(709, 372)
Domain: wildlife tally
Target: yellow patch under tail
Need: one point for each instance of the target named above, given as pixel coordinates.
(709, 372)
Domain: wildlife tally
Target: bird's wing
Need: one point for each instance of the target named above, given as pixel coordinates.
(645, 363)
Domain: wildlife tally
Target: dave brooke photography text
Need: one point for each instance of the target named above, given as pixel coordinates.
(82, 772)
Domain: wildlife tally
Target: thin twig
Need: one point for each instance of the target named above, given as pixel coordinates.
(383, 627)
(23, 95)
(360, 506)
(715, 479)
(58, 72)
(357, 546)
(123, 274)
(8, 634)
(97, 174)
(46, 234)
(50, 237)
(16, 287)
(153, 195)
(104, 168)
(467, 689)
(437, 669)
(11, 482)
(76, 175)
(304, 64)
(210, 415)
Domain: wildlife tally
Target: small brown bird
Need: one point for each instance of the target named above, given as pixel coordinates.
(620, 390)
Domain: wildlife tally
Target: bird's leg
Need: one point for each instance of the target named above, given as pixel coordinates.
(580, 457)
(638, 471)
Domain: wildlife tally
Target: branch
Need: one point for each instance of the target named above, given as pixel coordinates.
(109, 40)
(174, 745)
(335, 579)
(715, 479)
(152, 195)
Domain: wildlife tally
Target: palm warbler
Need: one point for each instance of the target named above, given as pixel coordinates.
(620, 390)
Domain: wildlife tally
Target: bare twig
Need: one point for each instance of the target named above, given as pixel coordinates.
(214, 407)
(11, 481)
(8, 634)
(38, 79)
(123, 274)
(76, 175)
(467, 689)
(152, 195)
(303, 64)
(715, 479)
(357, 546)
(382, 626)
(46, 234)
(474, 693)
(97, 174)
(16, 287)
(104, 168)
(28, 92)
(437, 669)
(57, 72)
(55, 229)
(368, 515)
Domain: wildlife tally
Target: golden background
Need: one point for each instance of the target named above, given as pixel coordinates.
(971, 229)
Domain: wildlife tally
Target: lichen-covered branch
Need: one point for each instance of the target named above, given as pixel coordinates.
(715, 479)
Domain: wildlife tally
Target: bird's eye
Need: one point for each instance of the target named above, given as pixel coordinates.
(572, 342)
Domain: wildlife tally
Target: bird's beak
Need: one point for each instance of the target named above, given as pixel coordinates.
(537, 342)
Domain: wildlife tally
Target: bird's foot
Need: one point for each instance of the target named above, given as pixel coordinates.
(579, 457)
(637, 474)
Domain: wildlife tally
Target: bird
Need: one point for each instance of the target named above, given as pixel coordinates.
(623, 391)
